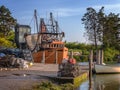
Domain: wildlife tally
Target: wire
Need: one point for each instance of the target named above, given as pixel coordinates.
(31, 20)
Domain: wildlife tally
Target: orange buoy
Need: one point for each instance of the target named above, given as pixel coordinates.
(72, 61)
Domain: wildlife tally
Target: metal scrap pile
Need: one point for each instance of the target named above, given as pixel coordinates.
(11, 58)
(69, 70)
(10, 61)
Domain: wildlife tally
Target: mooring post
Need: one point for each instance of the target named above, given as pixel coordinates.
(56, 57)
(43, 57)
(101, 58)
(98, 57)
(90, 69)
(71, 54)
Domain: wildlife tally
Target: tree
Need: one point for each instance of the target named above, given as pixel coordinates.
(90, 21)
(101, 27)
(111, 30)
(107, 28)
(101, 23)
(7, 22)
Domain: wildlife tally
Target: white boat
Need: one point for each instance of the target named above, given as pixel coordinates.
(107, 69)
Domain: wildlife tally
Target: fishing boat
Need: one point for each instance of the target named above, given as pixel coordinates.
(46, 45)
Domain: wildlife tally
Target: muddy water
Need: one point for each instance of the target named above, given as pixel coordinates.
(102, 82)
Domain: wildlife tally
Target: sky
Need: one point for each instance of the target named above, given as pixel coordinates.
(68, 13)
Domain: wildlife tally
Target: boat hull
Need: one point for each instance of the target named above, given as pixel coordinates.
(53, 55)
(105, 69)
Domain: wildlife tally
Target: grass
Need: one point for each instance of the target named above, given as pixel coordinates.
(51, 86)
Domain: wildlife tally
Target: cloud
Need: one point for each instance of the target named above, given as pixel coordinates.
(109, 6)
(66, 12)
(115, 8)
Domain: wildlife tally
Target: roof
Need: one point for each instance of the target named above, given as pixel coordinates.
(25, 26)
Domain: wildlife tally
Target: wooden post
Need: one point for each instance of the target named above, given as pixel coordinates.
(98, 57)
(56, 57)
(43, 57)
(90, 69)
(71, 54)
(101, 57)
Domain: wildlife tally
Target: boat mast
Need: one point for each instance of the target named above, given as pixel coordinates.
(56, 23)
(52, 23)
(35, 15)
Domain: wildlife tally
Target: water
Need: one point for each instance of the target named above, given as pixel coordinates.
(102, 82)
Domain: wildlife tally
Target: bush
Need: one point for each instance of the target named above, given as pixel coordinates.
(84, 58)
(50, 86)
(85, 52)
(5, 43)
(110, 54)
(77, 58)
(46, 86)
(68, 86)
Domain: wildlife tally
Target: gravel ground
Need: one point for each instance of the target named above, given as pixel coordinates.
(14, 79)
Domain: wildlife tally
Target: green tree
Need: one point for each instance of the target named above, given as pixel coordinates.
(7, 22)
(101, 23)
(104, 28)
(110, 31)
(101, 27)
(108, 28)
(91, 25)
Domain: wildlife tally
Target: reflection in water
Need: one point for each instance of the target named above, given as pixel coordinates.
(103, 82)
